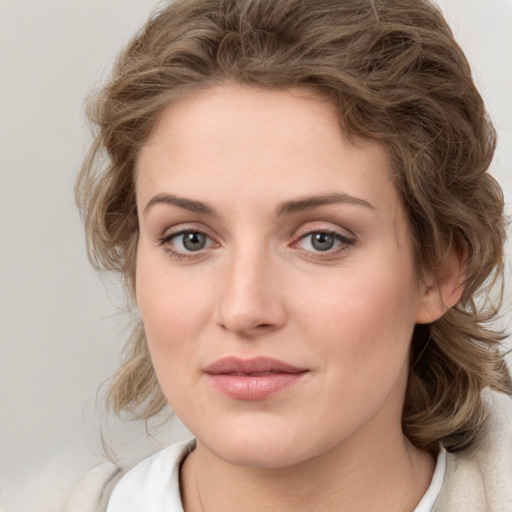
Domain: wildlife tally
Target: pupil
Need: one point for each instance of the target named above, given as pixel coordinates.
(322, 241)
(194, 241)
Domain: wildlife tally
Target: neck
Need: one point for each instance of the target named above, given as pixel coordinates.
(391, 476)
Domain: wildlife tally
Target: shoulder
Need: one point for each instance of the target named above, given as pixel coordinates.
(61, 488)
(480, 478)
(153, 484)
(73, 482)
(92, 491)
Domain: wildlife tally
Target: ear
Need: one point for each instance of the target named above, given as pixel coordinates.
(443, 289)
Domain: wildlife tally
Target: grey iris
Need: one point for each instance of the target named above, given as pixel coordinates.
(322, 241)
(194, 241)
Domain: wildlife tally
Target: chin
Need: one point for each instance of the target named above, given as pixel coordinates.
(257, 454)
(263, 446)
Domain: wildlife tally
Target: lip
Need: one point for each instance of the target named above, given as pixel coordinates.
(252, 379)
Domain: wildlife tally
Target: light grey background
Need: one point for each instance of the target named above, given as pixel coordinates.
(61, 330)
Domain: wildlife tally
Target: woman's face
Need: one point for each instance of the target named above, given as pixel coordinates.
(274, 276)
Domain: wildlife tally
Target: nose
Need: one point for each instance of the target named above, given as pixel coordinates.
(251, 301)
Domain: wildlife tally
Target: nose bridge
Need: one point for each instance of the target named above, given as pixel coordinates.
(250, 300)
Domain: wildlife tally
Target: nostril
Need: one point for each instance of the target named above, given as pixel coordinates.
(261, 327)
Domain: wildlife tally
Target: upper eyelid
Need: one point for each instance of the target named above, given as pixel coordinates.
(307, 229)
(186, 228)
(328, 231)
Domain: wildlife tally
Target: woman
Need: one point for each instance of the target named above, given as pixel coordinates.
(297, 196)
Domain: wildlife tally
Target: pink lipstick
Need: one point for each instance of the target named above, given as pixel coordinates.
(252, 379)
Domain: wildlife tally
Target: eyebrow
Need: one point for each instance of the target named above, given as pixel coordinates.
(285, 208)
(182, 202)
(310, 203)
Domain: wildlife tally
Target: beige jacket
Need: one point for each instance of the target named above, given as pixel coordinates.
(476, 480)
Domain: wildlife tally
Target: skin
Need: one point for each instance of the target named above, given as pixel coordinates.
(259, 287)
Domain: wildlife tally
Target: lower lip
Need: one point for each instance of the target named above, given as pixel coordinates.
(241, 387)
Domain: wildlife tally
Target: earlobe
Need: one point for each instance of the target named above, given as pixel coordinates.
(444, 290)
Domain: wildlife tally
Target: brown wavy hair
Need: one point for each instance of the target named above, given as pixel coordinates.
(396, 76)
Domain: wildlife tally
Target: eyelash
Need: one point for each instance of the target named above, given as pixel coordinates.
(165, 239)
(346, 244)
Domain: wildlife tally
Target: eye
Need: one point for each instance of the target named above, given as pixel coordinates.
(324, 241)
(190, 241)
(186, 241)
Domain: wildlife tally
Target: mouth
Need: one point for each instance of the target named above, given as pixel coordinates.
(252, 379)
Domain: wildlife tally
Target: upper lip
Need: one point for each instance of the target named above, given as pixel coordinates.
(261, 365)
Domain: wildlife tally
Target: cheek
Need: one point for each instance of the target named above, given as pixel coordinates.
(174, 313)
(173, 309)
(364, 316)
(361, 327)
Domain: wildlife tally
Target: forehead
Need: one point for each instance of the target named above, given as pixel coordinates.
(239, 141)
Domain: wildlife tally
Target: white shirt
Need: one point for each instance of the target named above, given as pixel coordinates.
(429, 498)
(153, 484)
